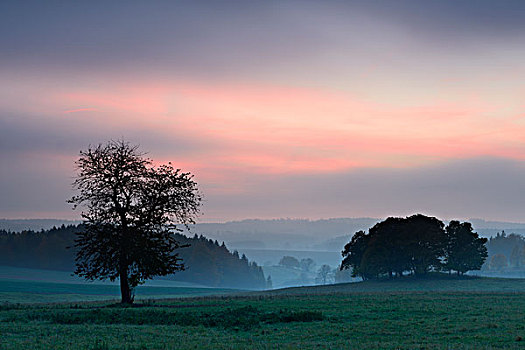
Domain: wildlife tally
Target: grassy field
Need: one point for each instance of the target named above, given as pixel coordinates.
(436, 283)
(21, 285)
(353, 316)
(49, 292)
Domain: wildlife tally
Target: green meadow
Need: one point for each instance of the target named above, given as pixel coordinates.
(24, 292)
(23, 285)
(447, 313)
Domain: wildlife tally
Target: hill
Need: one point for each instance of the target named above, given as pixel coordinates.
(437, 283)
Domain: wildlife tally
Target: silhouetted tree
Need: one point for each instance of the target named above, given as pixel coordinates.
(514, 259)
(394, 246)
(307, 264)
(375, 261)
(353, 253)
(269, 283)
(387, 251)
(131, 210)
(323, 274)
(465, 250)
(517, 256)
(289, 261)
(498, 262)
(504, 243)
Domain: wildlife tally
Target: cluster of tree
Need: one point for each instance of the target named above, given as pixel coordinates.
(505, 252)
(416, 245)
(206, 262)
(327, 275)
(323, 275)
(306, 264)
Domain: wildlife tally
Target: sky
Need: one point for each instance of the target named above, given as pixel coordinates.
(300, 109)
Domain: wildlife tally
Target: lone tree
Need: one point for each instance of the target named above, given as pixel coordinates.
(323, 274)
(131, 210)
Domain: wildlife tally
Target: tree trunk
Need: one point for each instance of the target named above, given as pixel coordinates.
(125, 290)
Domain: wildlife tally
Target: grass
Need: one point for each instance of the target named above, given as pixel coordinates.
(20, 285)
(48, 292)
(243, 317)
(355, 316)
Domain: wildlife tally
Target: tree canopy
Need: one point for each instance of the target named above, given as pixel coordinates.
(464, 249)
(416, 244)
(289, 261)
(323, 274)
(131, 209)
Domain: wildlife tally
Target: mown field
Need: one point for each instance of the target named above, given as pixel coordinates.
(338, 317)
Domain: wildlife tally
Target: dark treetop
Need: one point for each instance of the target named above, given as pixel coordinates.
(131, 209)
(416, 245)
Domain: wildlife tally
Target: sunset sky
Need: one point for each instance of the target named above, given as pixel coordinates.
(303, 109)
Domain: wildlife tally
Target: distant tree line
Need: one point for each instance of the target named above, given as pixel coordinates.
(207, 262)
(414, 245)
(306, 264)
(506, 253)
(44, 249)
(324, 274)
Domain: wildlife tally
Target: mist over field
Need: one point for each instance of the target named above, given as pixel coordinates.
(294, 234)
(266, 242)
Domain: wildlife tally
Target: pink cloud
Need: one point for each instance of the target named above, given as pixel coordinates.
(282, 130)
(81, 110)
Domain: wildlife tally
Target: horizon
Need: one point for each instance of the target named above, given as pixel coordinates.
(445, 220)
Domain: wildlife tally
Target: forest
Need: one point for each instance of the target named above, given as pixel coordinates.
(206, 261)
(506, 255)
